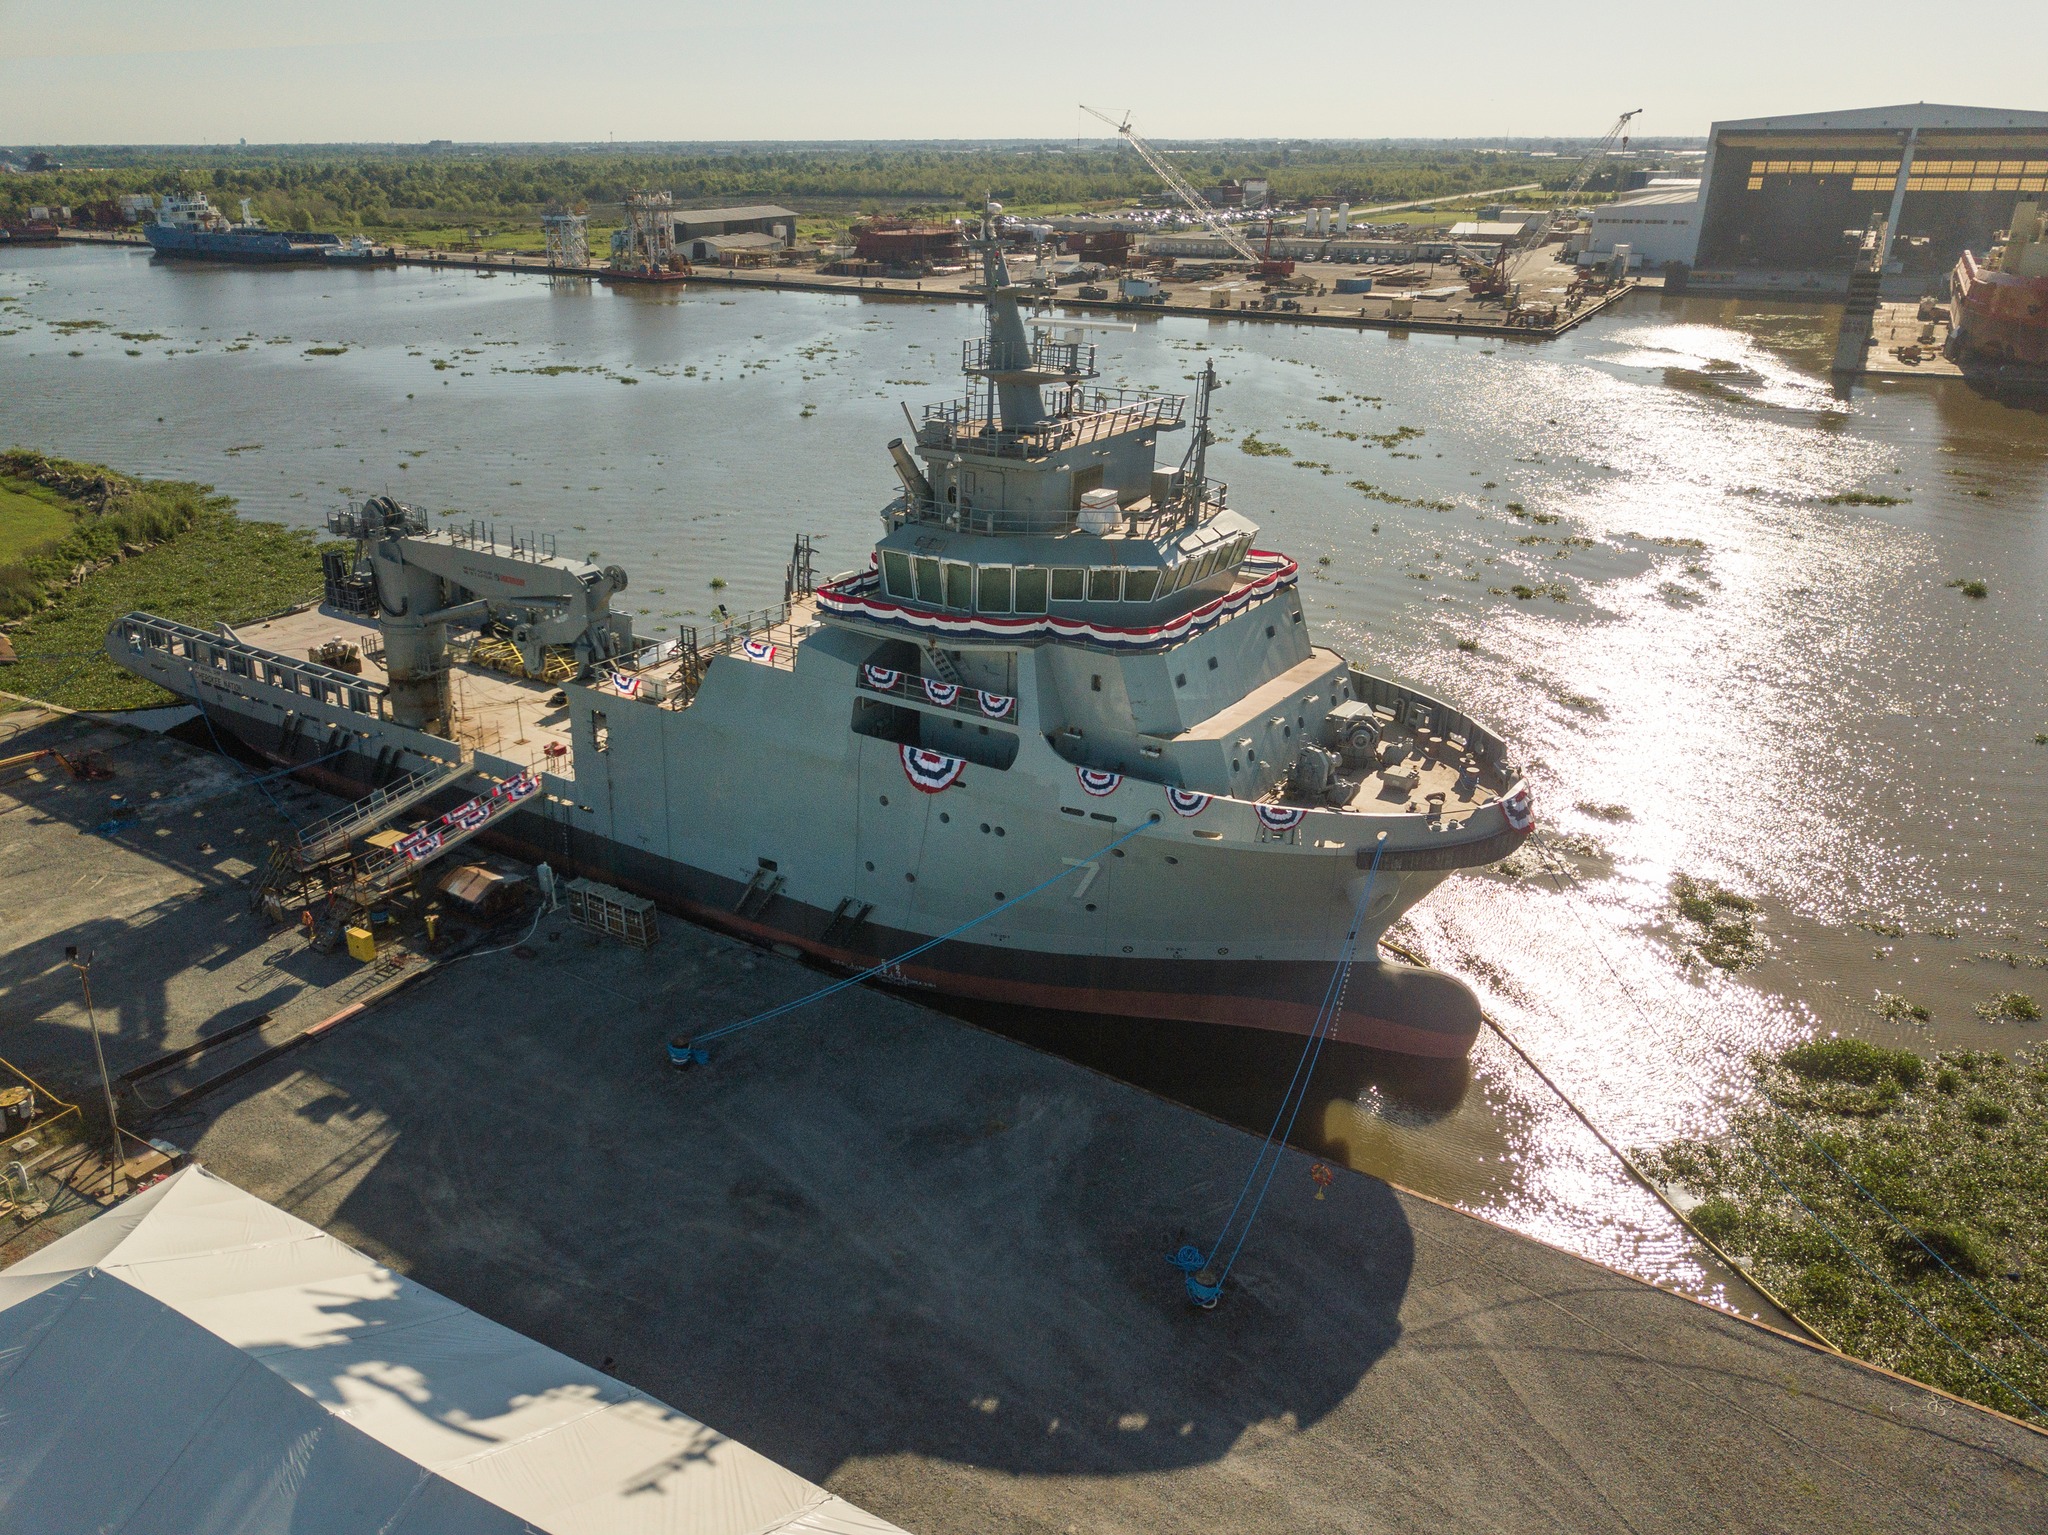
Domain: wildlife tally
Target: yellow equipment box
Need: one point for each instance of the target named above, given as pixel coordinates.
(362, 944)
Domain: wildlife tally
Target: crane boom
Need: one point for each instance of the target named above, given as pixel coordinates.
(1583, 171)
(1197, 204)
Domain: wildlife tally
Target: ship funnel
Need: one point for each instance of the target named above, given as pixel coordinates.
(907, 471)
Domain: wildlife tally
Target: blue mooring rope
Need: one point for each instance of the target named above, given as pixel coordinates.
(1205, 1286)
(691, 1052)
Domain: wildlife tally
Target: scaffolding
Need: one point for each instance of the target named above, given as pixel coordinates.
(648, 242)
(568, 238)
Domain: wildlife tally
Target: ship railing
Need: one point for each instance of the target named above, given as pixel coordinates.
(205, 652)
(767, 637)
(937, 693)
(331, 834)
(1076, 359)
(1088, 416)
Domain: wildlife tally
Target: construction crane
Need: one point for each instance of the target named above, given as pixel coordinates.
(1492, 282)
(1265, 266)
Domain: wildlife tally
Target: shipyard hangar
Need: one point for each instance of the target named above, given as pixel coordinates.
(1784, 200)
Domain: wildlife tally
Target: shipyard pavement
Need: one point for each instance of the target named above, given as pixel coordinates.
(926, 1265)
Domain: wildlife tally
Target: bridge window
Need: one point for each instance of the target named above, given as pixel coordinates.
(1069, 585)
(1030, 590)
(959, 586)
(928, 588)
(992, 589)
(896, 574)
(1105, 583)
(1140, 585)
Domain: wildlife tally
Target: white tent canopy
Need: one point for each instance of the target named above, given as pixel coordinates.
(198, 1360)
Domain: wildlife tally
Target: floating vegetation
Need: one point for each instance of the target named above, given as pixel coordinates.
(1722, 922)
(1309, 463)
(1862, 498)
(718, 583)
(807, 412)
(1372, 492)
(1883, 927)
(1601, 812)
(1970, 587)
(140, 335)
(1900, 1009)
(324, 351)
(1864, 1175)
(246, 447)
(66, 327)
(1522, 593)
(2010, 1007)
(1395, 438)
(1257, 447)
(1468, 645)
(1518, 509)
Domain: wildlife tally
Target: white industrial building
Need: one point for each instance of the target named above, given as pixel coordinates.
(196, 1360)
(1659, 223)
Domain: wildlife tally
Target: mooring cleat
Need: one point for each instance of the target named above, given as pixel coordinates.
(683, 1055)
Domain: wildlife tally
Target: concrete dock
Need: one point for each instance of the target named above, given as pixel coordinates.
(925, 1265)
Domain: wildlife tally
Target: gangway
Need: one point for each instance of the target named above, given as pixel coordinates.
(330, 836)
(384, 870)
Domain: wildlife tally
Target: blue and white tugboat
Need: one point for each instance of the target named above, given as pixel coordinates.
(1061, 658)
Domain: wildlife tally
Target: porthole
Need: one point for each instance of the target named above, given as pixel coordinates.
(1171, 859)
(871, 868)
(944, 818)
(1000, 832)
(1118, 851)
(1286, 732)
(1180, 679)
(1236, 766)
(1091, 906)
(984, 828)
(885, 799)
(1270, 631)
(999, 895)
(912, 878)
(1223, 951)
(1127, 948)
(1212, 663)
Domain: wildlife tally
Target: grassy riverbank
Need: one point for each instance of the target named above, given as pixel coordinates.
(1867, 1182)
(165, 547)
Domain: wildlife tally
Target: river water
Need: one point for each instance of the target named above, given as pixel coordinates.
(1741, 658)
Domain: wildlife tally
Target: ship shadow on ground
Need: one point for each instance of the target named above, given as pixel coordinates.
(862, 1232)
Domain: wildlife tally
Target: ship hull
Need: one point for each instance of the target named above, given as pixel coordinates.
(1996, 317)
(1387, 1006)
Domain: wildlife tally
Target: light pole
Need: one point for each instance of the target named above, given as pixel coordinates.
(84, 968)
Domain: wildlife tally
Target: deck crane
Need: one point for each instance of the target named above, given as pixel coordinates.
(1493, 281)
(1265, 266)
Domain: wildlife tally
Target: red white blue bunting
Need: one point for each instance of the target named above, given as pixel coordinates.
(931, 771)
(1279, 817)
(861, 597)
(881, 677)
(995, 706)
(1187, 801)
(628, 687)
(1520, 809)
(1097, 782)
(758, 650)
(516, 787)
(944, 694)
(420, 845)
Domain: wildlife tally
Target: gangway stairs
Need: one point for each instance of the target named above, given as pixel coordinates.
(299, 863)
(384, 870)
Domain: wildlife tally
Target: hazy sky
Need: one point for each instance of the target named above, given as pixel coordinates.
(187, 71)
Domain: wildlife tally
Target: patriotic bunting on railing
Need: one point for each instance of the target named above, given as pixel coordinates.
(944, 694)
(758, 650)
(1520, 809)
(1096, 782)
(931, 771)
(1279, 817)
(881, 677)
(995, 706)
(1187, 801)
(421, 844)
(1264, 573)
(629, 687)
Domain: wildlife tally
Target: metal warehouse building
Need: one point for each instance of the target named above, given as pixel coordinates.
(1782, 195)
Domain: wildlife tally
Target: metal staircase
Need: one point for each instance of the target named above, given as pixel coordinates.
(326, 838)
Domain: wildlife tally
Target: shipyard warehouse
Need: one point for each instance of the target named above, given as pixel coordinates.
(1786, 200)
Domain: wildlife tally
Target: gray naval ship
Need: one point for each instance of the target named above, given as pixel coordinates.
(1055, 643)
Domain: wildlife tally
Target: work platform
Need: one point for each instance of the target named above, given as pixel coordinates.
(926, 1266)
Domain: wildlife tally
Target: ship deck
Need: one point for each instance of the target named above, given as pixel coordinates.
(509, 717)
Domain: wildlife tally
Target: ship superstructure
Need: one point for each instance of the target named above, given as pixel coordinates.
(1054, 641)
(1999, 306)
